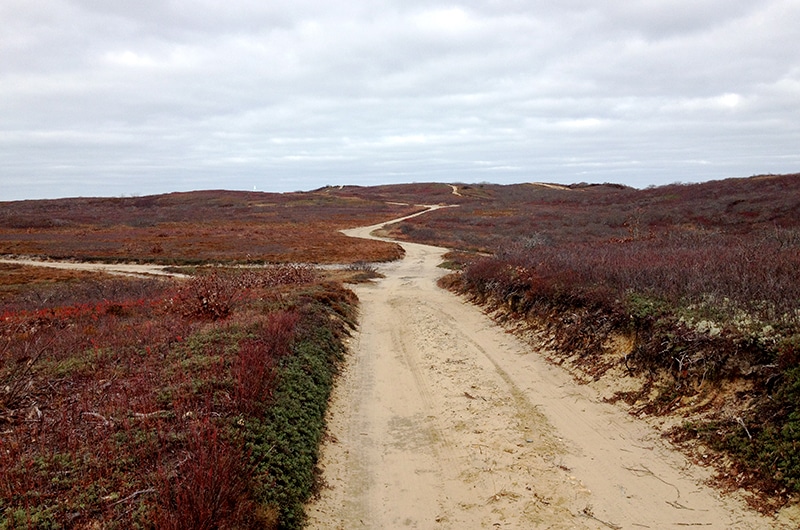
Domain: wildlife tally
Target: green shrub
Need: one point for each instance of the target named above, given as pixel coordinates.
(284, 443)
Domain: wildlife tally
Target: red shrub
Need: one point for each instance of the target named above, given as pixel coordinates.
(254, 375)
(254, 367)
(209, 488)
(206, 297)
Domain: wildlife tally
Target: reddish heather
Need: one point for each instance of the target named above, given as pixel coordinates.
(198, 227)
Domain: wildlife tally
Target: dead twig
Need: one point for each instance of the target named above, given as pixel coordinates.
(588, 512)
(18, 384)
(134, 495)
(740, 421)
(145, 415)
(644, 471)
(102, 418)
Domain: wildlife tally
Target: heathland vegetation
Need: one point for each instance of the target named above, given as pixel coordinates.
(198, 227)
(146, 403)
(172, 403)
(141, 403)
(692, 291)
(164, 402)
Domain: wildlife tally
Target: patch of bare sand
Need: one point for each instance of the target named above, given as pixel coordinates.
(442, 420)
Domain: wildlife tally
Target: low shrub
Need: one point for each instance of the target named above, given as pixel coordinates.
(255, 369)
(205, 297)
(210, 487)
(284, 443)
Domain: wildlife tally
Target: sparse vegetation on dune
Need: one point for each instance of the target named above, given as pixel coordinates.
(492, 216)
(417, 193)
(692, 289)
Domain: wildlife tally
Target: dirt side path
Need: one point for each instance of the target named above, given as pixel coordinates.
(442, 420)
(123, 269)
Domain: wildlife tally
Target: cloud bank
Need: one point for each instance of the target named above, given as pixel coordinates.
(108, 97)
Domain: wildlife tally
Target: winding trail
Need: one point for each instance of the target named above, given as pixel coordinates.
(443, 420)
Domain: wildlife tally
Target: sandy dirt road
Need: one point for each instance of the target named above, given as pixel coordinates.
(443, 420)
(122, 269)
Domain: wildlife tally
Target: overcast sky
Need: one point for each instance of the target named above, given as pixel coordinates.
(120, 97)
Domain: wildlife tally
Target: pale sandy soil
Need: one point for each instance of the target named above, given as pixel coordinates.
(443, 420)
(124, 269)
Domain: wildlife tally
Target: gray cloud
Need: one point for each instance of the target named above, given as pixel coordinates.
(102, 97)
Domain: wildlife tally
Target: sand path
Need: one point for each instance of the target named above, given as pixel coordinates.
(122, 269)
(443, 420)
